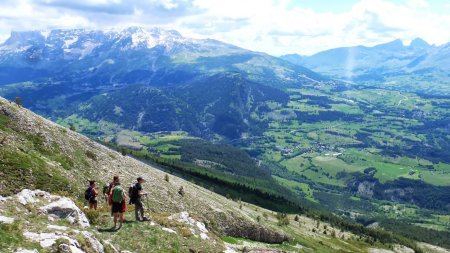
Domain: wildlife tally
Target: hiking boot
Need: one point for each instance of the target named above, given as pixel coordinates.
(145, 219)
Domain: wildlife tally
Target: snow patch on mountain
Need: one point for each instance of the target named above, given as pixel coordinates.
(70, 41)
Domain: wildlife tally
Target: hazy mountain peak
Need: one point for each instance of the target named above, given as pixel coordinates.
(419, 43)
(392, 45)
(18, 37)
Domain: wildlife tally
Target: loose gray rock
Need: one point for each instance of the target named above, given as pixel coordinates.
(65, 208)
(6, 220)
(20, 250)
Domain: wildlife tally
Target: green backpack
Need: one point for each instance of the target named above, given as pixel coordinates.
(117, 194)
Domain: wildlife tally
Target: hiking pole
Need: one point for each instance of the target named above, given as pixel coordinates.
(146, 201)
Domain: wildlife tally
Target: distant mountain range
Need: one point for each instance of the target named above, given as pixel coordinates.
(393, 65)
(148, 80)
(133, 55)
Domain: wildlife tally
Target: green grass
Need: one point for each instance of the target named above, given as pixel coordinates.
(296, 164)
(4, 120)
(390, 168)
(231, 240)
(11, 237)
(334, 165)
(306, 190)
(20, 170)
(142, 237)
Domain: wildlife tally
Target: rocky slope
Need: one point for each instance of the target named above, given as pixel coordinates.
(38, 154)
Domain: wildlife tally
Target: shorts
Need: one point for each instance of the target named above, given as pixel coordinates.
(93, 201)
(117, 207)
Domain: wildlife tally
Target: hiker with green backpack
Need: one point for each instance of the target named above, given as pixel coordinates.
(118, 199)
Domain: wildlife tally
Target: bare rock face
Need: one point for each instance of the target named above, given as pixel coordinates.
(47, 240)
(365, 188)
(65, 208)
(197, 228)
(70, 245)
(27, 196)
(253, 231)
(56, 237)
(54, 206)
(257, 233)
(93, 242)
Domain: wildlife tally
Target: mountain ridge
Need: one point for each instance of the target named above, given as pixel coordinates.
(391, 65)
(37, 49)
(75, 67)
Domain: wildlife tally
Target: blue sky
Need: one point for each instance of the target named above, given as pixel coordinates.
(273, 26)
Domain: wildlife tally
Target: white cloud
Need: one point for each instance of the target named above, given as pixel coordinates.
(273, 28)
(263, 25)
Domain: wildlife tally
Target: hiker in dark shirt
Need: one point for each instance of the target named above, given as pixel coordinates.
(137, 200)
(105, 192)
(93, 196)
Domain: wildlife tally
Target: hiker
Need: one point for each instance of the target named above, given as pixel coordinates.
(105, 192)
(110, 188)
(118, 203)
(91, 195)
(136, 199)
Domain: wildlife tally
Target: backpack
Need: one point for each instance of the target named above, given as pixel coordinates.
(88, 193)
(117, 194)
(105, 189)
(133, 193)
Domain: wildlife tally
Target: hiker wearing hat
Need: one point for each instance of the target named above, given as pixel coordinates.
(136, 194)
(91, 195)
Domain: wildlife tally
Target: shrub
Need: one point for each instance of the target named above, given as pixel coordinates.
(19, 101)
(185, 232)
(333, 233)
(283, 219)
(92, 215)
(181, 191)
(91, 155)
